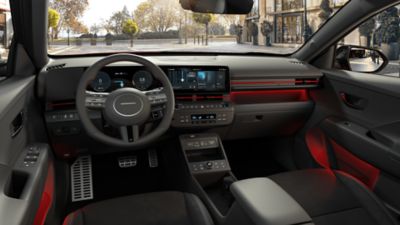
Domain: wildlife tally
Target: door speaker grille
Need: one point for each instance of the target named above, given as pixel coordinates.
(81, 179)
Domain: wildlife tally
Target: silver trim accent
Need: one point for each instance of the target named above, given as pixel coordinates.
(127, 103)
(127, 161)
(153, 158)
(81, 179)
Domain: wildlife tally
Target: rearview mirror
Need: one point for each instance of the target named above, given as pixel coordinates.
(360, 59)
(218, 6)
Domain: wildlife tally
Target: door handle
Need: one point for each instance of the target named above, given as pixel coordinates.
(353, 101)
(17, 124)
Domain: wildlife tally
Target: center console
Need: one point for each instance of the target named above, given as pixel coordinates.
(232, 202)
(210, 170)
(202, 96)
(205, 157)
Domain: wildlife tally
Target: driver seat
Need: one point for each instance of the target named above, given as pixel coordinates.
(160, 208)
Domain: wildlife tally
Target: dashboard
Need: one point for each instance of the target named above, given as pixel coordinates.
(234, 96)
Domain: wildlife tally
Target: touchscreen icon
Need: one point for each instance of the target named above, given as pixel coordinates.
(201, 75)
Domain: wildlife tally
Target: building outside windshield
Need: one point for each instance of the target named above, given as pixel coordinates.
(94, 26)
(79, 27)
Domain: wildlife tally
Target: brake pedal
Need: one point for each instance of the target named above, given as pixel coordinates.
(81, 179)
(153, 158)
(127, 161)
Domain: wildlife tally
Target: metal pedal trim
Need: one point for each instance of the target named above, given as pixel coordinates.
(127, 161)
(81, 179)
(153, 158)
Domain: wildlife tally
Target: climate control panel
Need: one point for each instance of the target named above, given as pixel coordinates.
(199, 114)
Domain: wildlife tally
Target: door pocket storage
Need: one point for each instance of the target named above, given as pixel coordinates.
(16, 184)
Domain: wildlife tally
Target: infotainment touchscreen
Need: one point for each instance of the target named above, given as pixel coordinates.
(209, 79)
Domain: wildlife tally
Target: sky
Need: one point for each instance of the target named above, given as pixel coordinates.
(99, 10)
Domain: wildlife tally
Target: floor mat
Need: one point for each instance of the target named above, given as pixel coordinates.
(252, 158)
(110, 180)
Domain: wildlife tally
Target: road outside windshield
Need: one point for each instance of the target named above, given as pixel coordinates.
(94, 26)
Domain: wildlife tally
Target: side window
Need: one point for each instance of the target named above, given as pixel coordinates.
(6, 34)
(6, 29)
(373, 47)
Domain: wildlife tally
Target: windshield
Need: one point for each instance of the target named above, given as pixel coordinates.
(78, 27)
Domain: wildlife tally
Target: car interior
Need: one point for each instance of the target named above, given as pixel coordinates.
(197, 137)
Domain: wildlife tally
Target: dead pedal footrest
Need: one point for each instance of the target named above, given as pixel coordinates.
(81, 179)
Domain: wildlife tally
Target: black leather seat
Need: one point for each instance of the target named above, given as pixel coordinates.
(334, 198)
(162, 208)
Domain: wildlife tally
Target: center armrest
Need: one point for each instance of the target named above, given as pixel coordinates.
(266, 203)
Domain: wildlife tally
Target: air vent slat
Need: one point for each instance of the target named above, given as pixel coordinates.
(297, 62)
(55, 67)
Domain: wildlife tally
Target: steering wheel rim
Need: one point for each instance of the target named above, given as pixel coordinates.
(158, 74)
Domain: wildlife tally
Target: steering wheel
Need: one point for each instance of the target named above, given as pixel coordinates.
(126, 108)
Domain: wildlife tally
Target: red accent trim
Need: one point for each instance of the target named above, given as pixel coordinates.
(66, 220)
(286, 95)
(348, 163)
(198, 97)
(354, 166)
(184, 97)
(316, 143)
(61, 104)
(274, 82)
(47, 198)
(265, 82)
(312, 81)
(64, 150)
(69, 218)
(215, 97)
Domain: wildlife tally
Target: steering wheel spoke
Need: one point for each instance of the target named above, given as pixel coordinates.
(129, 133)
(156, 96)
(95, 100)
(157, 99)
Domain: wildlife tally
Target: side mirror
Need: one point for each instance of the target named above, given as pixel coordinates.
(360, 59)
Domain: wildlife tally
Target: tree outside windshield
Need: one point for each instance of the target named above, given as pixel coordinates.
(94, 26)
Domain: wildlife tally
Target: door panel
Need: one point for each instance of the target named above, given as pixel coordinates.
(13, 101)
(358, 118)
(356, 138)
(25, 165)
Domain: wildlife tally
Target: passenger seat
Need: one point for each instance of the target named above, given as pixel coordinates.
(315, 196)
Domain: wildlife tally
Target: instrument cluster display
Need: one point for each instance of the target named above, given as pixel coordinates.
(102, 82)
(113, 78)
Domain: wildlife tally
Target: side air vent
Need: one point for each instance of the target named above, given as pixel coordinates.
(260, 84)
(297, 62)
(55, 67)
(81, 179)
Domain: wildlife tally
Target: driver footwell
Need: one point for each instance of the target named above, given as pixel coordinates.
(111, 179)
